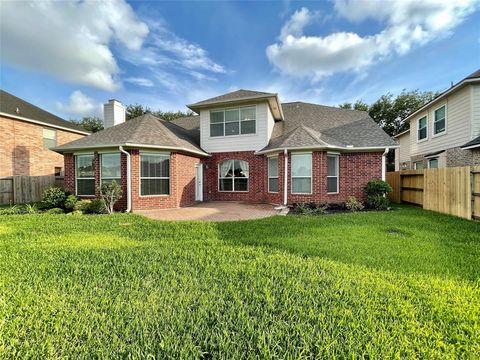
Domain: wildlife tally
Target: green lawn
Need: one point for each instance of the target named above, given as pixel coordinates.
(402, 284)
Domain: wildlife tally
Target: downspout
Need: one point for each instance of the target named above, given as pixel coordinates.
(384, 162)
(285, 178)
(129, 180)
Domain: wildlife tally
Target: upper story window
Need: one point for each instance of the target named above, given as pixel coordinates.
(235, 121)
(439, 120)
(301, 173)
(85, 176)
(422, 128)
(233, 176)
(49, 138)
(110, 168)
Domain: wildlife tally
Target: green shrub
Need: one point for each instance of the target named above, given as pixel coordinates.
(75, 213)
(55, 211)
(12, 210)
(377, 187)
(70, 202)
(31, 209)
(53, 197)
(96, 206)
(310, 209)
(378, 202)
(82, 205)
(111, 192)
(353, 204)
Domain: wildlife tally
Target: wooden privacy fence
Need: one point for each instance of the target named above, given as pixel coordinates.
(25, 189)
(454, 191)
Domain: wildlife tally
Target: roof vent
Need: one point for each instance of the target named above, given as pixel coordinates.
(17, 110)
(113, 113)
(349, 146)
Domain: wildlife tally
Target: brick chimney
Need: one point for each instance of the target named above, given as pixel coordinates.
(113, 113)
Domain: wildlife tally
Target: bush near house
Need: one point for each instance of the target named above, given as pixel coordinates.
(377, 285)
(376, 191)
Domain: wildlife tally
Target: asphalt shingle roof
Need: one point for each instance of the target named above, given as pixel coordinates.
(473, 142)
(10, 103)
(191, 124)
(233, 96)
(143, 130)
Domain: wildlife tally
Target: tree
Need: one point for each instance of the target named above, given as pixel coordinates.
(358, 105)
(172, 115)
(110, 192)
(89, 123)
(135, 110)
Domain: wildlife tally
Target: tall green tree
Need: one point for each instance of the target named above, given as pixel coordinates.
(358, 105)
(135, 110)
(89, 123)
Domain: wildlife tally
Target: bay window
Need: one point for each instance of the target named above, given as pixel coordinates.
(84, 174)
(110, 168)
(235, 121)
(273, 174)
(332, 173)
(439, 120)
(233, 176)
(154, 174)
(301, 173)
(422, 128)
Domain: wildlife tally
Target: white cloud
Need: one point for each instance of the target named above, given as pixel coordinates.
(140, 81)
(80, 104)
(408, 23)
(70, 40)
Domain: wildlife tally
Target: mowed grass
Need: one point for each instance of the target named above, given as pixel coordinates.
(402, 284)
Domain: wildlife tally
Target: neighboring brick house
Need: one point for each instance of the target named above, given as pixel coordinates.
(243, 146)
(27, 134)
(444, 132)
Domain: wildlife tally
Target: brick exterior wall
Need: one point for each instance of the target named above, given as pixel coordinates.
(182, 181)
(459, 157)
(22, 151)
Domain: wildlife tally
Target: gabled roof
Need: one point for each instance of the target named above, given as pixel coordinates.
(144, 131)
(475, 143)
(14, 107)
(239, 97)
(472, 78)
(317, 126)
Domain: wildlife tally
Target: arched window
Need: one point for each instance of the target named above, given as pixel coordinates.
(233, 176)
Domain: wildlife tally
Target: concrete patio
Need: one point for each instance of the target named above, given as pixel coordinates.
(213, 211)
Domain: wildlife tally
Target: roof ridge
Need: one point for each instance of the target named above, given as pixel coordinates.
(310, 132)
(327, 106)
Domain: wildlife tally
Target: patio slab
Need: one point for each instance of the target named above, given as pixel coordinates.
(213, 211)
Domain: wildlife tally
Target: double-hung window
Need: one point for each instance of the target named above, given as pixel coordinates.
(422, 128)
(85, 176)
(49, 138)
(273, 174)
(418, 165)
(439, 120)
(235, 121)
(332, 173)
(233, 176)
(433, 163)
(110, 168)
(302, 173)
(154, 174)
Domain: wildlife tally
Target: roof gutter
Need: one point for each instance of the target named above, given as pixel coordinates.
(328, 147)
(129, 179)
(470, 147)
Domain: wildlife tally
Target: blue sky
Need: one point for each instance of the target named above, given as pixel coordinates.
(77, 55)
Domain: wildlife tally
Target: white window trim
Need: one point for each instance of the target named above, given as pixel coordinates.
(76, 177)
(435, 158)
(337, 156)
(233, 178)
(239, 122)
(418, 128)
(301, 177)
(273, 177)
(110, 178)
(150, 178)
(444, 132)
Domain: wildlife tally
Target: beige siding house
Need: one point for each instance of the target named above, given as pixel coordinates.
(446, 131)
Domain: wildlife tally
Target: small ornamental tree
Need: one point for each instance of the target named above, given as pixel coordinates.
(110, 192)
(376, 191)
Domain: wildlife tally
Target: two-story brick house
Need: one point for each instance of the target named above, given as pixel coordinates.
(27, 135)
(444, 132)
(242, 146)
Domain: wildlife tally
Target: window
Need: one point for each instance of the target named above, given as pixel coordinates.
(273, 174)
(332, 173)
(58, 171)
(422, 128)
(110, 168)
(154, 174)
(233, 176)
(301, 173)
(418, 165)
(84, 174)
(238, 121)
(49, 138)
(439, 121)
(433, 163)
